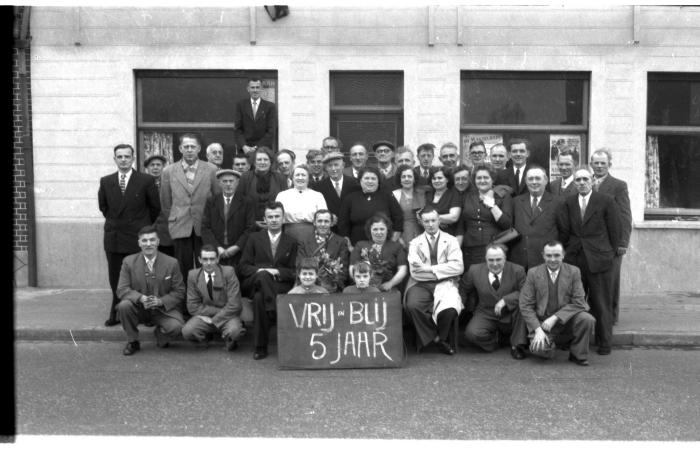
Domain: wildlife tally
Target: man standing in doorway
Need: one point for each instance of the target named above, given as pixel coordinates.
(255, 119)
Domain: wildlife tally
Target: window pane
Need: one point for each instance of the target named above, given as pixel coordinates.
(368, 128)
(673, 102)
(367, 89)
(673, 166)
(522, 101)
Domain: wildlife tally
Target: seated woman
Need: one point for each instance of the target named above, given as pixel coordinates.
(329, 249)
(445, 199)
(386, 257)
(411, 199)
(300, 204)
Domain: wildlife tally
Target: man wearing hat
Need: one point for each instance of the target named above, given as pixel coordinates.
(337, 186)
(228, 219)
(384, 151)
(154, 167)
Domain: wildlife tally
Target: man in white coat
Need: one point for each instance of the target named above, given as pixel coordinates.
(432, 298)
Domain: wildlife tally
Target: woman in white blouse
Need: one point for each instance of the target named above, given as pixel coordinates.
(300, 204)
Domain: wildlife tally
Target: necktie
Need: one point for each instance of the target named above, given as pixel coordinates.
(158, 184)
(534, 205)
(189, 174)
(273, 247)
(150, 265)
(227, 205)
(583, 207)
(596, 184)
(337, 188)
(425, 173)
(517, 177)
(210, 286)
(496, 283)
(255, 108)
(122, 182)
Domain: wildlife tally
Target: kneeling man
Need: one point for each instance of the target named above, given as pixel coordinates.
(553, 306)
(432, 297)
(214, 301)
(151, 290)
(493, 288)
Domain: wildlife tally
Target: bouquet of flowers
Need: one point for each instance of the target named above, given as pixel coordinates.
(331, 272)
(381, 268)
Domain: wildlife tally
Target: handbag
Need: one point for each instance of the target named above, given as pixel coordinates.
(505, 236)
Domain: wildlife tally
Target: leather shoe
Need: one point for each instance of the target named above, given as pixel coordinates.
(517, 353)
(260, 353)
(445, 347)
(131, 347)
(111, 322)
(580, 362)
(161, 338)
(603, 351)
(231, 344)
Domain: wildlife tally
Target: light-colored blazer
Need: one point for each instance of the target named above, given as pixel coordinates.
(534, 295)
(165, 281)
(184, 204)
(226, 303)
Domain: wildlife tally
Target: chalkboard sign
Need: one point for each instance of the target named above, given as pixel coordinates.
(316, 331)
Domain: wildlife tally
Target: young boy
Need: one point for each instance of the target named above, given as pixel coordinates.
(361, 273)
(307, 271)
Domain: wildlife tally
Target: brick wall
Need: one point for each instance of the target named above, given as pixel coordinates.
(18, 161)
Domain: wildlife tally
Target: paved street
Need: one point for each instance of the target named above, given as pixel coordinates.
(91, 389)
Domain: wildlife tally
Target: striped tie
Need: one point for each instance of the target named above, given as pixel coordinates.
(122, 182)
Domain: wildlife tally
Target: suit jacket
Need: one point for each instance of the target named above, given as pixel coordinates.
(165, 281)
(327, 189)
(184, 204)
(555, 189)
(347, 171)
(386, 183)
(535, 231)
(534, 295)
(258, 254)
(247, 187)
(258, 131)
(507, 177)
(419, 180)
(596, 236)
(226, 303)
(239, 223)
(476, 222)
(617, 189)
(478, 294)
(126, 214)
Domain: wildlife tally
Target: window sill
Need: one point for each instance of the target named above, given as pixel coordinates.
(667, 225)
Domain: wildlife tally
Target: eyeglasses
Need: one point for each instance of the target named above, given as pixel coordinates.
(331, 147)
(383, 150)
(477, 153)
(582, 179)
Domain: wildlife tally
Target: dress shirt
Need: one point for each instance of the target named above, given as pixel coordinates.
(565, 182)
(150, 263)
(522, 170)
(300, 205)
(553, 274)
(587, 197)
(492, 277)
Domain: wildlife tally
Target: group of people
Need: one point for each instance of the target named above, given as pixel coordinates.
(493, 246)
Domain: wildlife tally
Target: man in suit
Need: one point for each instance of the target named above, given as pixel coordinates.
(564, 186)
(515, 176)
(554, 309)
(426, 154)
(336, 183)
(215, 154)
(255, 120)
(228, 219)
(449, 155)
(491, 290)
(498, 156)
(604, 182)
(535, 218)
(214, 301)
(358, 160)
(128, 200)
(268, 269)
(186, 185)
(154, 166)
(151, 290)
(314, 160)
(589, 228)
(432, 298)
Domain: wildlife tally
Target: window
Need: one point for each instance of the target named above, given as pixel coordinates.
(673, 146)
(170, 103)
(366, 107)
(550, 109)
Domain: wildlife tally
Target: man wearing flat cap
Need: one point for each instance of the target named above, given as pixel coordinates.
(384, 151)
(154, 167)
(338, 185)
(228, 219)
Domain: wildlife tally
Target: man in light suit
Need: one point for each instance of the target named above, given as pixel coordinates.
(564, 185)
(604, 182)
(185, 187)
(589, 228)
(329, 186)
(228, 219)
(432, 298)
(268, 269)
(129, 201)
(554, 309)
(491, 290)
(151, 290)
(535, 218)
(214, 301)
(255, 120)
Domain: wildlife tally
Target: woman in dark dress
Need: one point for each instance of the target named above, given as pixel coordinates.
(446, 200)
(387, 258)
(262, 184)
(484, 215)
(359, 206)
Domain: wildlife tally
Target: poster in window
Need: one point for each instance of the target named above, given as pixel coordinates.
(157, 143)
(570, 144)
(488, 139)
(268, 89)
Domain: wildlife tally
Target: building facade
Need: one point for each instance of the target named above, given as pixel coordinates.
(623, 77)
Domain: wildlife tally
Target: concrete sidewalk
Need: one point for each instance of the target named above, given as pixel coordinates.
(43, 314)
